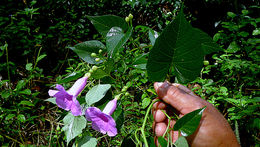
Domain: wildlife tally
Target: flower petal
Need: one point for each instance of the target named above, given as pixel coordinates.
(52, 92)
(75, 107)
(78, 86)
(110, 107)
(63, 100)
(92, 113)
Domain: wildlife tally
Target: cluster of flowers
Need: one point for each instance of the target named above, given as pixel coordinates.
(101, 120)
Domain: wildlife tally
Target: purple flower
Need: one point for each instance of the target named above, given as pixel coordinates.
(68, 99)
(102, 121)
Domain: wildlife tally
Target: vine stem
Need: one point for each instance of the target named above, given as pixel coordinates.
(145, 119)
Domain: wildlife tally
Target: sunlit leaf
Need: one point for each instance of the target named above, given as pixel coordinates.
(181, 142)
(87, 141)
(96, 93)
(189, 122)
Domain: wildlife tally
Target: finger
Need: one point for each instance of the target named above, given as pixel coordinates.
(160, 128)
(177, 98)
(159, 116)
(184, 88)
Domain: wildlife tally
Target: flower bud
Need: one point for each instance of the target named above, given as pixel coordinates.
(93, 55)
(127, 19)
(130, 16)
(110, 107)
(94, 68)
(91, 71)
(206, 62)
(97, 59)
(100, 51)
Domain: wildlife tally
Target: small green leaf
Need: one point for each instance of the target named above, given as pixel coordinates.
(99, 73)
(96, 93)
(26, 91)
(73, 76)
(116, 38)
(145, 102)
(87, 141)
(189, 122)
(181, 142)
(21, 118)
(162, 141)
(256, 32)
(153, 35)
(52, 100)
(9, 116)
(73, 126)
(104, 23)
(28, 66)
(231, 14)
(27, 103)
(84, 50)
(233, 47)
(41, 57)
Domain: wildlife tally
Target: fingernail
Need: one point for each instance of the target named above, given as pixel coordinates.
(159, 84)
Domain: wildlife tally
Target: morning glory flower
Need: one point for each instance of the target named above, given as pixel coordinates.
(67, 100)
(102, 121)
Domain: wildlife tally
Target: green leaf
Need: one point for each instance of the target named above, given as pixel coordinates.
(145, 102)
(233, 47)
(9, 116)
(189, 122)
(26, 91)
(99, 73)
(27, 103)
(231, 14)
(181, 142)
(180, 47)
(41, 57)
(21, 118)
(73, 126)
(73, 76)
(28, 66)
(52, 100)
(96, 93)
(88, 141)
(116, 38)
(162, 141)
(153, 35)
(256, 32)
(104, 23)
(84, 50)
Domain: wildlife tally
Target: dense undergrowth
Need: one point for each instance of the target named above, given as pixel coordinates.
(35, 50)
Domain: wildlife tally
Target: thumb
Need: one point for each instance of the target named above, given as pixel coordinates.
(178, 98)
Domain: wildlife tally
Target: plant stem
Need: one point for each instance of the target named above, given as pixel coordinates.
(7, 61)
(145, 119)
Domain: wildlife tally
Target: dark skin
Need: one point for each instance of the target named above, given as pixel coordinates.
(213, 131)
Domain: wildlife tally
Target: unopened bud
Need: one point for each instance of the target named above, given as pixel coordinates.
(130, 16)
(94, 68)
(127, 19)
(93, 54)
(100, 51)
(97, 59)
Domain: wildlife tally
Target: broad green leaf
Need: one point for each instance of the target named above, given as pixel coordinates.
(73, 76)
(99, 73)
(87, 141)
(28, 66)
(233, 47)
(116, 38)
(181, 142)
(96, 93)
(104, 23)
(162, 141)
(41, 57)
(153, 35)
(256, 31)
(84, 50)
(73, 126)
(231, 14)
(179, 47)
(52, 100)
(26, 91)
(145, 102)
(189, 122)
(27, 103)
(21, 118)
(119, 118)
(9, 116)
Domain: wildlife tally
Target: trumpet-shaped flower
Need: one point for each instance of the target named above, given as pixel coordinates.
(102, 121)
(68, 99)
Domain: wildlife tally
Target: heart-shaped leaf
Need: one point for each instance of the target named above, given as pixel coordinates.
(104, 23)
(96, 93)
(180, 47)
(189, 122)
(162, 141)
(84, 50)
(116, 38)
(87, 141)
(73, 126)
(181, 142)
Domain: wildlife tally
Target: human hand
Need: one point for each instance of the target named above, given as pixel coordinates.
(213, 131)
